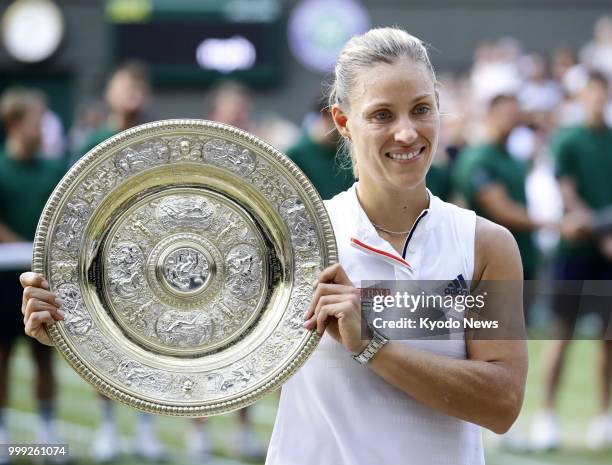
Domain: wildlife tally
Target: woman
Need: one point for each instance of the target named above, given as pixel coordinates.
(404, 401)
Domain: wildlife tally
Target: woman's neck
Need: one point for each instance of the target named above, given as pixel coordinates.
(394, 210)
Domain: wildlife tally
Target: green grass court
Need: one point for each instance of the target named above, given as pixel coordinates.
(78, 412)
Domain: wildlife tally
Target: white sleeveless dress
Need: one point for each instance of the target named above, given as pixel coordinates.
(334, 411)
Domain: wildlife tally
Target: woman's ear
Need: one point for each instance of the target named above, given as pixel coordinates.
(340, 120)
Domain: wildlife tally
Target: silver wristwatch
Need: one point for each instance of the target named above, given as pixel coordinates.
(376, 343)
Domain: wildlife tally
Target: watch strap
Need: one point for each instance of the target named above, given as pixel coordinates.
(376, 343)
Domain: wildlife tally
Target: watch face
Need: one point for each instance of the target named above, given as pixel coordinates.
(32, 30)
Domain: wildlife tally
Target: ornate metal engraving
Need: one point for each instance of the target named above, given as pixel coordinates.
(186, 211)
(245, 273)
(125, 273)
(186, 269)
(184, 251)
(77, 321)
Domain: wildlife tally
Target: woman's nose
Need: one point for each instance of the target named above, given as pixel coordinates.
(405, 132)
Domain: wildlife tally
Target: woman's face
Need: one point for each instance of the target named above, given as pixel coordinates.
(393, 123)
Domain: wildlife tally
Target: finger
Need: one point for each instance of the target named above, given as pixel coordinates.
(329, 311)
(31, 292)
(36, 321)
(326, 300)
(321, 321)
(35, 305)
(335, 274)
(328, 289)
(30, 278)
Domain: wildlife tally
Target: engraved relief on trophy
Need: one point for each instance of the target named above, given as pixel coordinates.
(184, 329)
(196, 255)
(134, 159)
(186, 269)
(185, 149)
(132, 373)
(67, 232)
(77, 321)
(125, 276)
(185, 211)
(230, 156)
(303, 234)
(244, 271)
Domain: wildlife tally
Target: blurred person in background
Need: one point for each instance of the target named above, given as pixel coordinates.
(229, 103)
(597, 54)
(89, 117)
(540, 98)
(584, 166)
(316, 153)
(539, 93)
(562, 60)
(26, 182)
(492, 182)
(127, 95)
(53, 138)
(495, 70)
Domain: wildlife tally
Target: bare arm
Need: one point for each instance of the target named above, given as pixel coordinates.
(488, 387)
(497, 204)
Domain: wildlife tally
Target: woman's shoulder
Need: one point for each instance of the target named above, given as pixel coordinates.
(454, 216)
(496, 252)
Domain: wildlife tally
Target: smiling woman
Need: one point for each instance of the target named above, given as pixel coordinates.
(403, 399)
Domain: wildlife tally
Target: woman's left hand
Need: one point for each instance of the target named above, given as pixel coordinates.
(336, 306)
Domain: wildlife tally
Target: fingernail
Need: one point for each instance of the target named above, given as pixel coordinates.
(61, 313)
(59, 302)
(45, 284)
(315, 283)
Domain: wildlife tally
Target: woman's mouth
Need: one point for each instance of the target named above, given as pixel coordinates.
(405, 156)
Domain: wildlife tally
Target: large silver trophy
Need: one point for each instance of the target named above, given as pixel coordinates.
(185, 252)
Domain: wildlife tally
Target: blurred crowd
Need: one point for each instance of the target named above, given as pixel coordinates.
(526, 141)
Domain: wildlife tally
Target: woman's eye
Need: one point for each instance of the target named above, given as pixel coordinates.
(422, 110)
(381, 115)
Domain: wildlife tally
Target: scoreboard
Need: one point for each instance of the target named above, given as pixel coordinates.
(193, 42)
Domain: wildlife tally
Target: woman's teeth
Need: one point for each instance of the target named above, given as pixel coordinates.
(403, 156)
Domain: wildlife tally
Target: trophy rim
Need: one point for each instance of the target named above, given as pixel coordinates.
(41, 247)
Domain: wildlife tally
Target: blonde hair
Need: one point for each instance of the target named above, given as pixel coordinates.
(379, 45)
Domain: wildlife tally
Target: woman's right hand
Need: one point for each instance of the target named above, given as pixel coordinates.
(39, 307)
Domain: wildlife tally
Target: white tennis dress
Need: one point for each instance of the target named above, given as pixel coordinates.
(334, 411)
